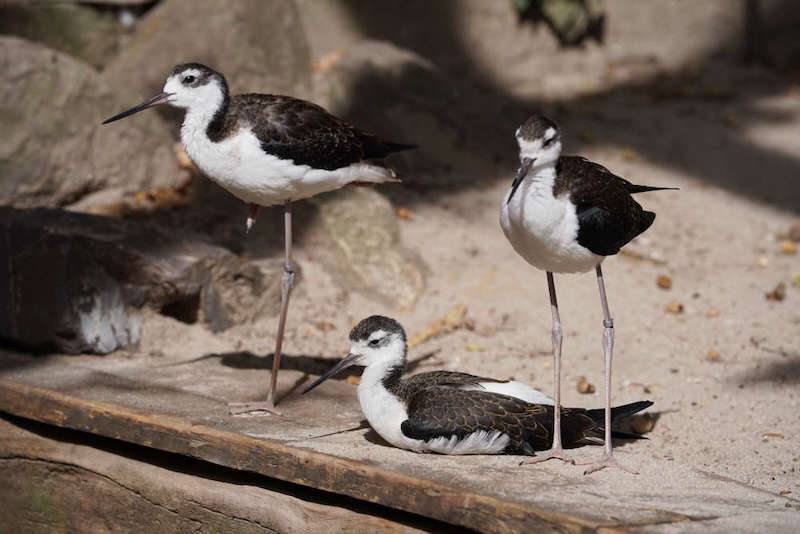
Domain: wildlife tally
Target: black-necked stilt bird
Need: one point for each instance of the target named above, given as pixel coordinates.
(266, 150)
(457, 413)
(565, 214)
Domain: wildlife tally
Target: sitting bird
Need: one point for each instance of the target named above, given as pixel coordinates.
(457, 413)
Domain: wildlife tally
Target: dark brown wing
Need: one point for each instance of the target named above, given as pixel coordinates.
(608, 216)
(295, 129)
(444, 412)
(411, 385)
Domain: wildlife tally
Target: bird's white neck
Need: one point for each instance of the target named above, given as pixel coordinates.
(382, 408)
(542, 176)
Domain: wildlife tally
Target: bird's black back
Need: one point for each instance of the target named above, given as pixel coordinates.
(608, 216)
(447, 411)
(295, 129)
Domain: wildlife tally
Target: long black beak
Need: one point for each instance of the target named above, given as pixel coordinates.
(348, 361)
(160, 98)
(521, 172)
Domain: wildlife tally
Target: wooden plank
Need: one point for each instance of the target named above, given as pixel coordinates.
(182, 407)
(54, 480)
(321, 471)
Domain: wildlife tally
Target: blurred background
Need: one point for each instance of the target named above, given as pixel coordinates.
(700, 95)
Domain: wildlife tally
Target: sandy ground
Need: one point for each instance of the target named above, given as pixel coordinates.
(734, 414)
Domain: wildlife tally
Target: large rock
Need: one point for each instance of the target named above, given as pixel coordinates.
(406, 98)
(368, 256)
(54, 150)
(79, 31)
(76, 283)
(258, 45)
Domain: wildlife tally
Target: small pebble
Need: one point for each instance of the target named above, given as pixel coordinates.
(788, 247)
(675, 306)
(713, 312)
(794, 232)
(777, 294)
(584, 386)
(404, 213)
(763, 261)
(713, 356)
(664, 281)
(642, 423)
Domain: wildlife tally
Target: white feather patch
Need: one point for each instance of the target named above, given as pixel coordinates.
(480, 442)
(517, 389)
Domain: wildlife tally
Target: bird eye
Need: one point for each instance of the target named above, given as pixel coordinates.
(374, 342)
(189, 79)
(548, 142)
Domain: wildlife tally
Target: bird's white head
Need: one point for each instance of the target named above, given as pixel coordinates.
(376, 341)
(190, 86)
(196, 87)
(539, 140)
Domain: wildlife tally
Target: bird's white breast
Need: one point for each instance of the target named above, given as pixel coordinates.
(543, 229)
(240, 165)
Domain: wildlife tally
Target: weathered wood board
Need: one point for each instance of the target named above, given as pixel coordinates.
(58, 480)
(182, 408)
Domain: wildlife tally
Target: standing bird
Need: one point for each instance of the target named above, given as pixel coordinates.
(457, 413)
(565, 214)
(266, 150)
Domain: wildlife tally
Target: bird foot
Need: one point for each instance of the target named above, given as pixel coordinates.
(554, 453)
(606, 460)
(253, 408)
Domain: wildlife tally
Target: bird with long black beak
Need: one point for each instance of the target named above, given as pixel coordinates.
(566, 214)
(265, 150)
(457, 413)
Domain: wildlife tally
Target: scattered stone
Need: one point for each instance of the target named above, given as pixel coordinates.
(796, 279)
(324, 326)
(584, 386)
(788, 246)
(76, 283)
(664, 281)
(353, 379)
(777, 435)
(403, 213)
(777, 294)
(712, 312)
(470, 347)
(763, 261)
(642, 423)
(713, 356)
(784, 493)
(675, 306)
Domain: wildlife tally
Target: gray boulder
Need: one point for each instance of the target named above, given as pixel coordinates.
(79, 31)
(77, 283)
(366, 254)
(259, 45)
(54, 150)
(405, 98)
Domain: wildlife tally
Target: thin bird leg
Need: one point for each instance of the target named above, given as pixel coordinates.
(607, 460)
(556, 450)
(251, 217)
(287, 283)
